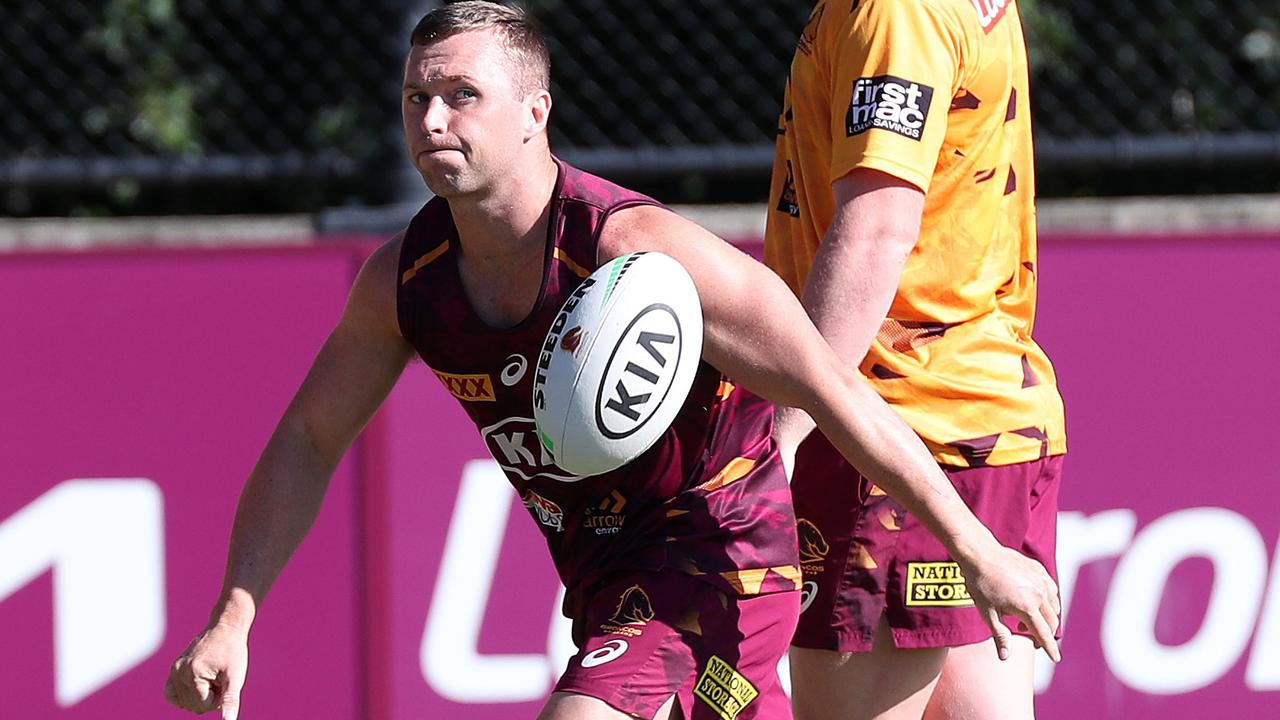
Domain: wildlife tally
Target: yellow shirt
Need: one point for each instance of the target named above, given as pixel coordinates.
(933, 92)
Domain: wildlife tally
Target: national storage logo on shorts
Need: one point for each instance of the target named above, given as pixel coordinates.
(936, 584)
(724, 689)
(890, 103)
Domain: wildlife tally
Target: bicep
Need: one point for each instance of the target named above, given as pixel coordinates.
(358, 364)
(755, 330)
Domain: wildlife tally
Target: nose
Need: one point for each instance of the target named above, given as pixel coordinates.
(435, 119)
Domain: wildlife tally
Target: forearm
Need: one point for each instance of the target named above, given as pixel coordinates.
(888, 453)
(277, 507)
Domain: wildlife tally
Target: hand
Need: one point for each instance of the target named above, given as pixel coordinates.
(1010, 583)
(210, 673)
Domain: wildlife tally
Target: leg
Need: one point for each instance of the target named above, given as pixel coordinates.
(670, 646)
(884, 684)
(571, 706)
(976, 685)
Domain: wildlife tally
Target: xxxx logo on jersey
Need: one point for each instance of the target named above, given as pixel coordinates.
(470, 388)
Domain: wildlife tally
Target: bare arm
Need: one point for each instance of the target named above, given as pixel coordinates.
(352, 374)
(350, 377)
(757, 333)
(875, 227)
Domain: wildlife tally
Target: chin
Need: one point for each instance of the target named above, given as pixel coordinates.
(445, 185)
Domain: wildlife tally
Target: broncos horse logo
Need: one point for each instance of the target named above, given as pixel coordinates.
(634, 607)
(813, 547)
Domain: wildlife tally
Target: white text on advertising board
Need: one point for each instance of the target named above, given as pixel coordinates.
(455, 668)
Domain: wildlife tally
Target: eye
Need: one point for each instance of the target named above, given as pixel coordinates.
(465, 94)
(417, 98)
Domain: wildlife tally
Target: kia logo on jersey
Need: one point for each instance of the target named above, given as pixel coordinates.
(889, 103)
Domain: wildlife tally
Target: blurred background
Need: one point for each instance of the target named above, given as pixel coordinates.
(188, 189)
(126, 107)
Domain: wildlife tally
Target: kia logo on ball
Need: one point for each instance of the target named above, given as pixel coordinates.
(639, 373)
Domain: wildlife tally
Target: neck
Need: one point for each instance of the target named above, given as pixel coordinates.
(508, 222)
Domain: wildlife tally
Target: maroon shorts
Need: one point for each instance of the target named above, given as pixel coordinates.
(864, 557)
(653, 635)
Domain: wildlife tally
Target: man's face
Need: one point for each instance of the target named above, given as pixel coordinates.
(464, 120)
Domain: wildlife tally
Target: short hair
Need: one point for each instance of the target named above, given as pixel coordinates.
(520, 36)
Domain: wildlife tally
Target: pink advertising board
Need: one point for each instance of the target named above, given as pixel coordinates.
(152, 380)
(1167, 351)
(136, 390)
(1168, 529)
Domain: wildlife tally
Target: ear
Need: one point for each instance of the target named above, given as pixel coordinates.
(538, 112)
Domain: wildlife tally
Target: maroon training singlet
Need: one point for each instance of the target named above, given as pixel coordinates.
(709, 498)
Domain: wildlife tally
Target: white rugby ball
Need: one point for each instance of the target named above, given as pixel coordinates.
(617, 364)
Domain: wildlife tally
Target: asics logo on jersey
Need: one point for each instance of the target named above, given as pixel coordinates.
(889, 103)
(515, 369)
(807, 595)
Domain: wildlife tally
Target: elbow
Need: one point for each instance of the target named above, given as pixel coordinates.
(831, 384)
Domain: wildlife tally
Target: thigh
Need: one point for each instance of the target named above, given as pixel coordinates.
(652, 636)
(977, 685)
(884, 683)
(571, 706)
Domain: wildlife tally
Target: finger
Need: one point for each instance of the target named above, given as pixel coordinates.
(1050, 614)
(205, 696)
(999, 633)
(1043, 637)
(230, 696)
(1051, 649)
(181, 683)
(204, 690)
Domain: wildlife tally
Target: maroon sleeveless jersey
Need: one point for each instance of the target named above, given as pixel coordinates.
(709, 498)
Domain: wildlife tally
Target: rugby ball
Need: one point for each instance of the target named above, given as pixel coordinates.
(617, 364)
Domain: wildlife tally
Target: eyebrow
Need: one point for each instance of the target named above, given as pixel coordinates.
(410, 85)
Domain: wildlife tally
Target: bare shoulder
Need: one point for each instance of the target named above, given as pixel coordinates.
(385, 260)
(373, 297)
(648, 227)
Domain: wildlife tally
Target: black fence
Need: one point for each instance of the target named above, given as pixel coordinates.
(118, 106)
